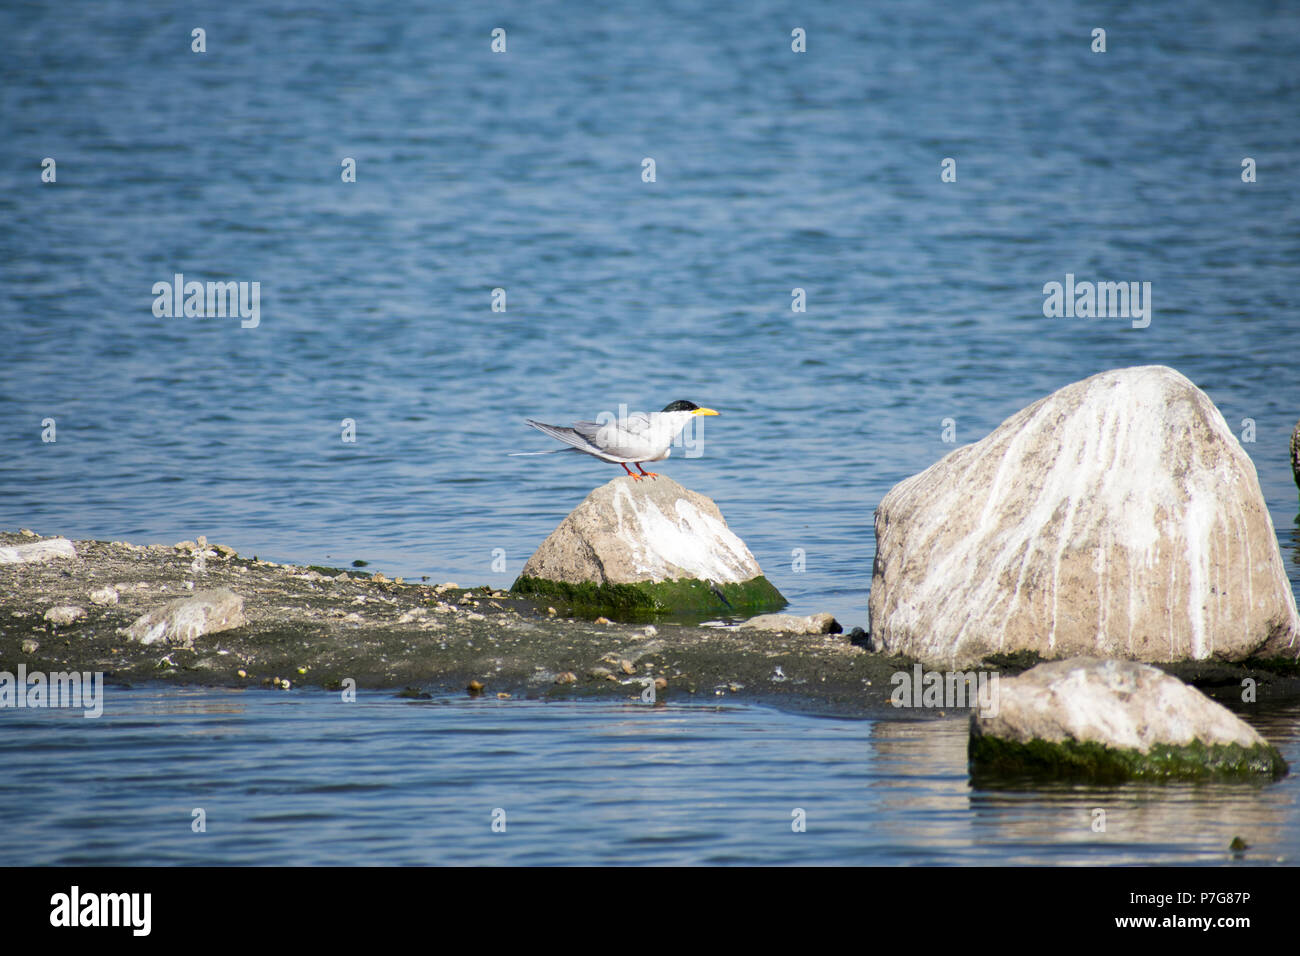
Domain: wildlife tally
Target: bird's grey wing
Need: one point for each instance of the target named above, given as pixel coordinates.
(570, 436)
(626, 439)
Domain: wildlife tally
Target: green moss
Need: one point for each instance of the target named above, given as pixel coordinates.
(335, 572)
(654, 598)
(1094, 761)
(1012, 663)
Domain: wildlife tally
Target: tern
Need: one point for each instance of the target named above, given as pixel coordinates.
(636, 438)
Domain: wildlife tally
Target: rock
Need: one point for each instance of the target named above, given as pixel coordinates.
(1113, 720)
(37, 551)
(1118, 516)
(226, 551)
(860, 638)
(793, 624)
(568, 677)
(601, 673)
(183, 620)
(647, 546)
(64, 614)
(30, 647)
(104, 596)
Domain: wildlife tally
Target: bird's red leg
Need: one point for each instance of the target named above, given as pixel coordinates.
(644, 473)
(629, 471)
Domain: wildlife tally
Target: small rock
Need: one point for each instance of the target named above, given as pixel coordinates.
(551, 612)
(602, 621)
(226, 551)
(601, 673)
(502, 695)
(30, 647)
(104, 596)
(186, 546)
(37, 551)
(29, 533)
(64, 614)
(1238, 845)
(627, 667)
(568, 677)
(183, 620)
(241, 673)
(661, 683)
(650, 630)
(792, 624)
(475, 687)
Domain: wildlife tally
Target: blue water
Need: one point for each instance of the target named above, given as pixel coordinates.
(775, 171)
(302, 778)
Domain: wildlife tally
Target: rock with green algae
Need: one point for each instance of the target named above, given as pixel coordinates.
(635, 548)
(1110, 720)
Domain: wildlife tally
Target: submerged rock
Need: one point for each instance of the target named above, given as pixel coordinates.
(1117, 516)
(649, 546)
(822, 623)
(37, 551)
(1112, 720)
(183, 620)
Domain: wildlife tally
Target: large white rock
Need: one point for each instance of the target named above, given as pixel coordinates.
(650, 530)
(634, 547)
(1114, 703)
(1121, 706)
(1117, 517)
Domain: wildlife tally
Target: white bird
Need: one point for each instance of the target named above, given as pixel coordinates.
(636, 438)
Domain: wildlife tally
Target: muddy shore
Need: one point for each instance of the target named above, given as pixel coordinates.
(318, 627)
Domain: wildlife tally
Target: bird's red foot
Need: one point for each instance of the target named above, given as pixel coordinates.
(646, 474)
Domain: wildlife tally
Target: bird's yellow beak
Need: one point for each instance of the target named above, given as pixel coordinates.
(704, 411)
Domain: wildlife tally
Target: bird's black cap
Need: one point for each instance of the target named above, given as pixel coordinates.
(681, 407)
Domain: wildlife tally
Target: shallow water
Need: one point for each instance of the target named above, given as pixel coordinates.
(523, 171)
(302, 778)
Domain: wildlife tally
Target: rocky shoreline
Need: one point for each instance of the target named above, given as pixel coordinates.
(308, 626)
